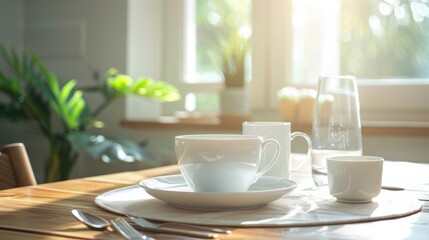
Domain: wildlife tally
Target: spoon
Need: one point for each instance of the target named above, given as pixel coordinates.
(90, 220)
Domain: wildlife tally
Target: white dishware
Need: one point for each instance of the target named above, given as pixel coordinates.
(222, 162)
(336, 123)
(174, 190)
(354, 179)
(310, 207)
(280, 131)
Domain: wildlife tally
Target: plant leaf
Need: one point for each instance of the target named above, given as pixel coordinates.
(110, 149)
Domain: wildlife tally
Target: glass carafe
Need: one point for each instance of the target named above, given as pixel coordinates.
(336, 127)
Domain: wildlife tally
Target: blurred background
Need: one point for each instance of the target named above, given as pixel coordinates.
(280, 48)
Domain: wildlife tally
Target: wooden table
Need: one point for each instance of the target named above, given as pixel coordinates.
(43, 211)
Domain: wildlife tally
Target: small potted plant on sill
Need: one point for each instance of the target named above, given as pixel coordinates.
(235, 99)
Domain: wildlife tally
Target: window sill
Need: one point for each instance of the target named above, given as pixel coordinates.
(368, 127)
(403, 128)
(230, 124)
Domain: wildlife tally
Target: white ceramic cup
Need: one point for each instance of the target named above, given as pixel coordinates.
(222, 162)
(354, 179)
(280, 131)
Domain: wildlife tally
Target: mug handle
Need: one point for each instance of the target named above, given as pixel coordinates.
(273, 160)
(305, 136)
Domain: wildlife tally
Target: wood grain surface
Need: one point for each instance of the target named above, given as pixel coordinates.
(43, 212)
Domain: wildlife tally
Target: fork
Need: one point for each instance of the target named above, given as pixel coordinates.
(126, 230)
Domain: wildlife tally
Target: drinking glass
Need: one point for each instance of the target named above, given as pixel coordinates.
(336, 127)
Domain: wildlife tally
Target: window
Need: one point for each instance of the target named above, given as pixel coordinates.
(168, 53)
(267, 39)
(294, 42)
(370, 39)
(211, 27)
(389, 36)
(216, 22)
(384, 43)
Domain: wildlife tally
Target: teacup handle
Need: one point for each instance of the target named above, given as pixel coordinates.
(305, 136)
(273, 160)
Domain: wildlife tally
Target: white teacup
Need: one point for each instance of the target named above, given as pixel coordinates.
(354, 179)
(222, 162)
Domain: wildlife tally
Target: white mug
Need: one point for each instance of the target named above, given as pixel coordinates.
(222, 162)
(280, 131)
(354, 179)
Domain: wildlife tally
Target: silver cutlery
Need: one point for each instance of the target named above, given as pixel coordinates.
(90, 220)
(183, 225)
(127, 231)
(168, 229)
(392, 188)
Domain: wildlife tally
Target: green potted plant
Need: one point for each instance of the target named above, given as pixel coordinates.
(235, 100)
(33, 93)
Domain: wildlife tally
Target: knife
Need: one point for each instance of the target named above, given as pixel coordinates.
(187, 232)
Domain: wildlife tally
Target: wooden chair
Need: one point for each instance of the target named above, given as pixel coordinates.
(15, 167)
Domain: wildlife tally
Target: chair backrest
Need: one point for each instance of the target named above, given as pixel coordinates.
(15, 167)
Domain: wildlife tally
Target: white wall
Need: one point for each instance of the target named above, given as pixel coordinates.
(12, 32)
(12, 22)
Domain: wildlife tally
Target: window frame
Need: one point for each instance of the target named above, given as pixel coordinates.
(381, 100)
(265, 34)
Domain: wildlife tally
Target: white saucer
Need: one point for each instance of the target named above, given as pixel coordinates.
(173, 190)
